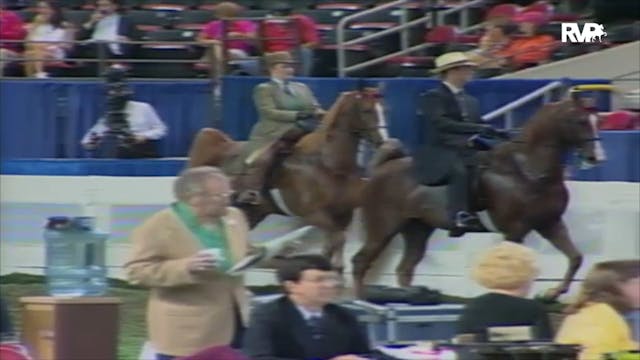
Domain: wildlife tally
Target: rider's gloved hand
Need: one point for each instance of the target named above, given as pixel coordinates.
(303, 115)
(309, 124)
(493, 132)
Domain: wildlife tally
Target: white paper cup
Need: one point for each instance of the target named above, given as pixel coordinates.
(216, 254)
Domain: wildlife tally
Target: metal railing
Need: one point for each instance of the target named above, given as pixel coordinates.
(103, 59)
(341, 45)
(403, 27)
(463, 10)
(507, 110)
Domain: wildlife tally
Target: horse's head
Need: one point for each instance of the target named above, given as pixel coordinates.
(366, 114)
(578, 128)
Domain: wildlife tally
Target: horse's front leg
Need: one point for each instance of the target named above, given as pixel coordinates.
(558, 236)
(334, 249)
(335, 229)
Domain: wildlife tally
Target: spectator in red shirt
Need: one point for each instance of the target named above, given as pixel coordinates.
(11, 28)
(286, 35)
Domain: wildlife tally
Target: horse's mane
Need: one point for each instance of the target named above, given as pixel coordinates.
(536, 129)
(318, 137)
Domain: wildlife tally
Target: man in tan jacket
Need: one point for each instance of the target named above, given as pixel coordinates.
(181, 253)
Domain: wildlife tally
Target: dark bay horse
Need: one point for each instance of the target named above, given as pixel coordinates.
(517, 199)
(319, 181)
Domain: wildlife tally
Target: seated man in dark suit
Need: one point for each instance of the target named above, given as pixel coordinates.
(304, 325)
(106, 28)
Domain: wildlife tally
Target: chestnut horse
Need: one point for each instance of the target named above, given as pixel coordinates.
(518, 200)
(319, 181)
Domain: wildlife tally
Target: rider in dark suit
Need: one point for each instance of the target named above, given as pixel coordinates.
(452, 125)
(303, 325)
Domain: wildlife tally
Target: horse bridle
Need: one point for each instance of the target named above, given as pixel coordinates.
(360, 131)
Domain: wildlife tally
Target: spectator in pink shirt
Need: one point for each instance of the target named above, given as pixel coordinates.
(239, 33)
(11, 28)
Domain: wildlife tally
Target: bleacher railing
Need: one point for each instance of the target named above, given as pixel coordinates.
(342, 45)
(212, 63)
(546, 92)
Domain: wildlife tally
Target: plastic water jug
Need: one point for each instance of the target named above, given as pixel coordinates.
(75, 257)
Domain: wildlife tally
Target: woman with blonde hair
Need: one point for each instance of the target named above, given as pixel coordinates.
(595, 319)
(507, 270)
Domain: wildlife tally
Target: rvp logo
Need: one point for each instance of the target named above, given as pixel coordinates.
(590, 33)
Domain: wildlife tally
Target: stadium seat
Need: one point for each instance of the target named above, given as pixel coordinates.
(155, 50)
(255, 13)
(620, 120)
(149, 20)
(211, 4)
(623, 33)
(553, 28)
(380, 20)
(326, 64)
(330, 5)
(440, 39)
(73, 4)
(170, 35)
(76, 17)
(442, 34)
(193, 19)
(165, 5)
(326, 16)
(303, 4)
(507, 11)
(331, 36)
(542, 7)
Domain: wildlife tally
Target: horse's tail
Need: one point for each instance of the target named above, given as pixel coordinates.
(208, 148)
(390, 150)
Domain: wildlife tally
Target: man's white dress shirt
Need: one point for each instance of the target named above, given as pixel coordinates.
(143, 121)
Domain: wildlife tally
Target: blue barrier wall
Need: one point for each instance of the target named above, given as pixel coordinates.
(46, 119)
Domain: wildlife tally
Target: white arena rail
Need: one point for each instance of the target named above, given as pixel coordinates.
(602, 217)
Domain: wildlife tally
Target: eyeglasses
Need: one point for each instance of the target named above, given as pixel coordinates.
(218, 197)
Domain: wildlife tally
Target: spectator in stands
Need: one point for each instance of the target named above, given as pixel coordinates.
(182, 253)
(507, 270)
(495, 40)
(240, 33)
(287, 35)
(596, 322)
(11, 28)
(304, 324)
(48, 33)
(532, 48)
(144, 124)
(107, 24)
(288, 110)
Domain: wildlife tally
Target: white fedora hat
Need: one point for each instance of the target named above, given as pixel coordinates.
(452, 60)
